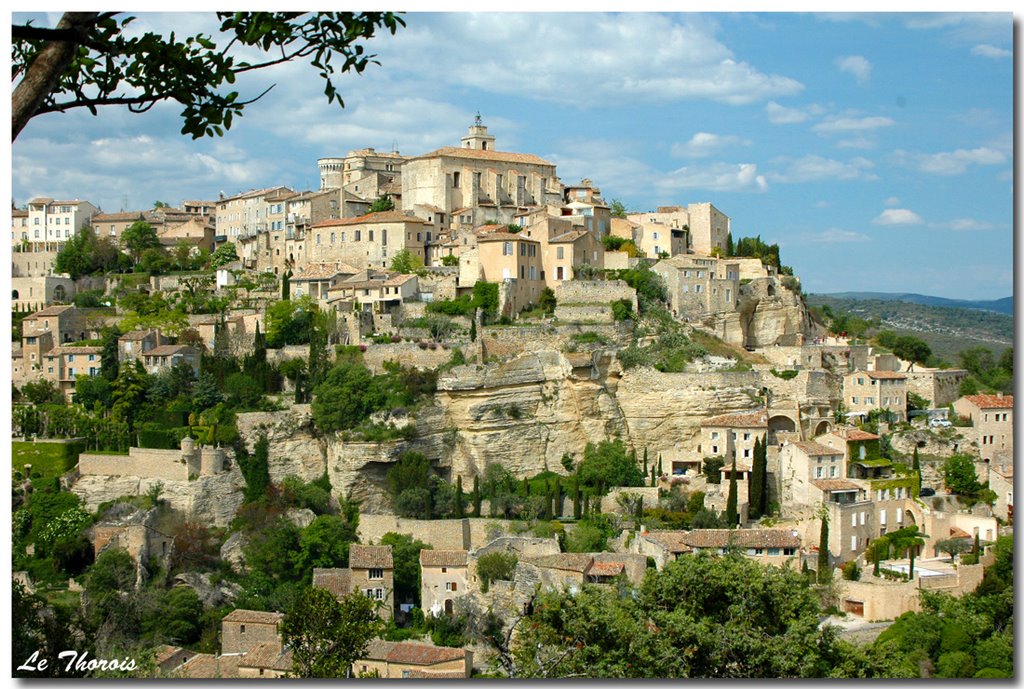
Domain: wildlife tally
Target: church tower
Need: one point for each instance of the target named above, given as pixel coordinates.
(477, 138)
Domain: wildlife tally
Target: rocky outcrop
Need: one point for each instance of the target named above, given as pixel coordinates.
(212, 595)
(296, 447)
(233, 550)
(767, 313)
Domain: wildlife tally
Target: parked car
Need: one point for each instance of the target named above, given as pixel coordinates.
(926, 492)
(940, 423)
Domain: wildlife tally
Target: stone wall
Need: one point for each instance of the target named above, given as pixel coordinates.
(594, 292)
(173, 465)
(405, 353)
(610, 503)
(887, 600)
(443, 534)
(941, 388)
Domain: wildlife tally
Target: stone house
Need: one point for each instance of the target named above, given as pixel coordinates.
(778, 547)
(371, 571)
(317, 279)
(698, 285)
(165, 357)
(405, 660)
(733, 435)
(28, 293)
(62, 365)
(941, 387)
(707, 227)
(267, 660)
(169, 658)
(443, 575)
(244, 630)
(368, 241)
(867, 391)
(376, 292)
(207, 666)
(243, 215)
(194, 232)
(49, 328)
(991, 424)
(135, 343)
(365, 173)
(801, 464)
(515, 261)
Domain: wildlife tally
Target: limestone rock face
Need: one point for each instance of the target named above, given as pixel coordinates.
(295, 446)
(300, 517)
(232, 550)
(928, 442)
(212, 595)
(210, 500)
(767, 314)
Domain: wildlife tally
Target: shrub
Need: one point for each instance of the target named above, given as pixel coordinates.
(495, 566)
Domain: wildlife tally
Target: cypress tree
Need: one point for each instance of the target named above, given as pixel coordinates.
(917, 468)
(586, 505)
(977, 545)
(732, 516)
(526, 488)
(756, 483)
(556, 507)
(639, 511)
(476, 496)
(286, 286)
(645, 460)
(459, 499)
(654, 477)
(824, 573)
(661, 472)
(576, 506)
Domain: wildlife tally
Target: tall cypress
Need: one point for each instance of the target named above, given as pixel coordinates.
(577, 508)
(526, 488)
(646, 469)
(824, 573)
(654, 477)
(661, 472)
(286, 286)
(556, 507)
(476, 496)
(756, 484)
(917, 468)
(732, 516)
(460, 511)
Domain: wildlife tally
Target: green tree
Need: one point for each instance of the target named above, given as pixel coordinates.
(205, 394)
(757, 488)
(325, 543)
(496, 565)
(139, 237)
(459, 499)
(824, 566)
(412, 470)
(42, 391)
(916, 466)
(477, 498)
(256, 469)
(878, 550)
(960, 476)
(405, 554)
(618, 209)
(732, 516)
(89, 59)
(908, 539)
(128, 393)
(223, 254)
(910, 348)
(406, 262)
(326, 635)
(547, 301)
(345, 398)
(608, 464)
(382, 204)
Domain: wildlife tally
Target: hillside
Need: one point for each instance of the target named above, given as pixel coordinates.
(1004, 305)
(946, 329)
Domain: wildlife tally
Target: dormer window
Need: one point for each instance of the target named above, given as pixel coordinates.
(376, 573)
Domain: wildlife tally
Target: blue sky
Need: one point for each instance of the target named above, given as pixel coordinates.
(876, 149)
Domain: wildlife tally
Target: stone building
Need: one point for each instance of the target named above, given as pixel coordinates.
(244, 630)
(409, 660)
(991, 424)
(370, 570)
(1000, 480)
(515, 262)
(867, 391)
(698, 286)
(369, 241)
(706, 226)
(779, 547)
(51, 223)
(63, 364)
(733, 435)
(443, 575)
(246, 214)
(165, 357)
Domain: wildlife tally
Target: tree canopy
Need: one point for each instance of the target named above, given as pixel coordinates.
(92, 59)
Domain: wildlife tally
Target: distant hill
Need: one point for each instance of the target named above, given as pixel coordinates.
(947, 329)
(1004, 305)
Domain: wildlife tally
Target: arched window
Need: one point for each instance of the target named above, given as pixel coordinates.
(59, 294)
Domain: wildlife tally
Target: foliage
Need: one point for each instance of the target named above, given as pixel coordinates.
(756, 248)
(405, 553)
(138, 238)
(290, 322)
(670, 353)
(547, 301)
(960, 476)
(494, 566)
(450, 260)
(224, 254)
(622, 309)
(382, 204)
(326, 635)
(607, 464)
(650, 287)
(618, 209)
(325, 543)
(732, 516)
(107, 62)
(256, 469)
(405, 261)
(713, 469)
(86, 254)
(42, 391)
(447, 630)
(350, 393)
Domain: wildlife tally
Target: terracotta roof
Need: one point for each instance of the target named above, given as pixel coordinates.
(165, 653)
(367, 556)
(18, 213)
(497, 156)
(168, 350)
(674, 541)
(991, 401)
(1004, 471)
(812, 448)
(885, 375)
(443, 558)
(208, 666)
(134, 335)
(740, 466)
(253, 617)
(957, 532)
(384, 217)
(504, 237)
(112, 217)
(71, 349)
(337, 580)
(412, 653)
(488, 229)
(571, 562)
(606, 569)
(323, 271)
(568, 237)
(269, 656)
(850, 433)
(743, 538)
(835, 484)
(751, 419)
(49, 311)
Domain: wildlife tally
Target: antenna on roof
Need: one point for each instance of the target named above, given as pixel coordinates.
(478, 121)
(394, 145)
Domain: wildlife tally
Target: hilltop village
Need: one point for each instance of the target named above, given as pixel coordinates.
(445, 393)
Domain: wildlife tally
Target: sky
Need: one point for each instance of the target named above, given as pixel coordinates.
(875, 149)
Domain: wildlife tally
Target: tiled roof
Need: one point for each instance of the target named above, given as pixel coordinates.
(135, 335)
(488, 229)
(850, 433)
(322, 271)
(70, 349)
(674, 541)
(411, 653)
(606, 569)
(49, 311)
(957, 532)
(812, 448)
(207, 666)
(885, 375)
(571, 562)
(568, 237)
(367, 556)
(439, 674)
(504, 237)
(835, 484)
(1006, 471)
(168, 350)
(254, 617)
(165, 653)
(337, 580)
(751, 419)
(269, 656)
(443, 558)
(386, 216)
(497, 156)
(117, 217)
(743, 538)
(991, 401)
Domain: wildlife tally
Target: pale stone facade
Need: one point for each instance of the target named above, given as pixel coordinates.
(246, 214)
(369, 241)
(516, 262)
(699, 285)
(867, 391)
(733, 435)
(409, 660)
(244, 630)
(992, 424)
(443, 575)
(52, 223)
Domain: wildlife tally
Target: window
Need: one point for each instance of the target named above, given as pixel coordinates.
(853, 542)
(881, 517)
(241, 629)
(376, 573)
(383, 237)
(853, 521)
(832, 472)
(774, 551)
(714, 435)
(359, 235)
(371, 235)
(819, 472)
(863, 516)
(456, 179)
(714, 449)
(746, 436)
(746, 453)
(533, 272)
(332, 238)
(506, 249)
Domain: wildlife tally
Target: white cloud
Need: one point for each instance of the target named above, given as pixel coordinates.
(892, 201)
(860, 142)
(857, 65)
(780, 114)
(528, 55)
(898, 216)
(715, 177)
(610, 164)
(843, 125)
(813, 168)
(969, 225)
(703, 144)
(835, 235)
(986, 50)
(949, 162)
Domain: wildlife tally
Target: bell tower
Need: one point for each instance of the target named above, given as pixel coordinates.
(477, 137)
